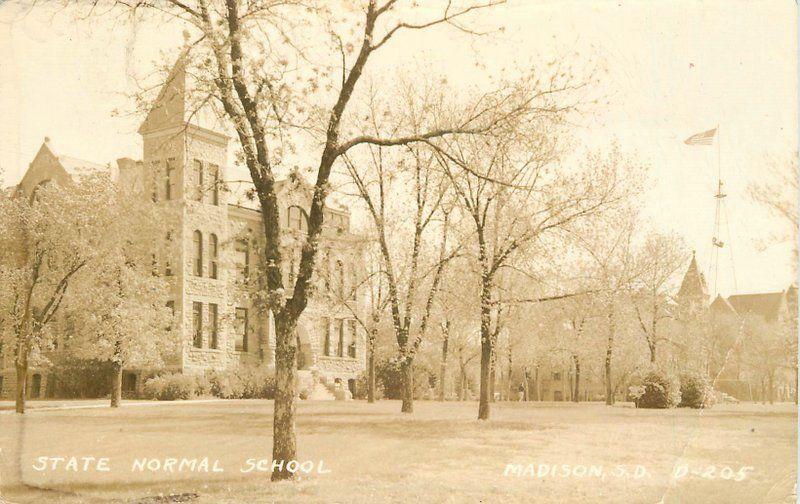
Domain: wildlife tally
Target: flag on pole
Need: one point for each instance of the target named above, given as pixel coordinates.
(704, 138)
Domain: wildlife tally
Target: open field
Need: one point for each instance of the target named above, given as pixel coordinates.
(438, 454)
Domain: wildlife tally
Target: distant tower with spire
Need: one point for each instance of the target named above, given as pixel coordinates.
(692, 297)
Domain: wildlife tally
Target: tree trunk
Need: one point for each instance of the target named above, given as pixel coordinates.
(486, 363)
(486, 349)
(462, 380)
(509, 388)
(527, 384)
(576, 391)
(652, 352)
(492, 376)
(116, 385)
(407, 372)
(371, 366)
(284, 440)
(443, 367)
(22, 384)
(609, 351)
(771, 387)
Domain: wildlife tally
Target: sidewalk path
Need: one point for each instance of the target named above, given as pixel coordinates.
(7, 407)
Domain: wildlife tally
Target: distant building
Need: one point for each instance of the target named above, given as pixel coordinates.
(216, 231)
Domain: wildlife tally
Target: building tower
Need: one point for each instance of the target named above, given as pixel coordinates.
(183, 168)
(692, 296)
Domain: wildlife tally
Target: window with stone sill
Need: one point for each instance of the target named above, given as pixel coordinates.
(353, 332)
(213, 256)
(242, 261)
(168, 179)
(241, 330)
(213, 322)
(198, 253)
(340, 332)
(326, 332)
(215, 185)
(156, 176)
(197, 324)
(197, 179)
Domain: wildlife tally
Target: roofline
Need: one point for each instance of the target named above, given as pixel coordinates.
(214, 136)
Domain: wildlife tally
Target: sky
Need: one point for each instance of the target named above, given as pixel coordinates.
(667, 70)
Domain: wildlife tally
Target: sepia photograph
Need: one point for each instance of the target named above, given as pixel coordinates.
(392, 251)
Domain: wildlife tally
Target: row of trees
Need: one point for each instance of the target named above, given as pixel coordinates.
(488, 185)
(77, 269)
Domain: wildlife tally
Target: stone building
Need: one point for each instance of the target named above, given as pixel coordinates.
(215, 238)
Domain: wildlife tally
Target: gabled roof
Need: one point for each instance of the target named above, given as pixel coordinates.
(75, 166)
(721, 305)
(767, 305)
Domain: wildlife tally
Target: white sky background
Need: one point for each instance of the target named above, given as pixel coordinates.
(672, 69)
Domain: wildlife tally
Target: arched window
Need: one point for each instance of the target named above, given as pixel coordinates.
(213, 255)
(198, 253)
(297, 218)
(34, 193)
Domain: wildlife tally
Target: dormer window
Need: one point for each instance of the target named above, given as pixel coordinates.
(297, 218)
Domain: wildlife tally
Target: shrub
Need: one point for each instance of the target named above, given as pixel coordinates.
(169, 387)
(696, 391)
(244, 382)
(389, 377)
(82, 378)
(362, 386)
(657, 389)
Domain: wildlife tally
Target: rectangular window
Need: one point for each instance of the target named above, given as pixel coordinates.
(197, 239)
(340, 331)
(353, 282)
(168, 251)
(241, 329)
(197, 324)
(353, 330)
(171, 309)
(326, 270)
(197, 178)
(215, 188)
(213, 321)
(556, 376)
(242, 260)
(213, 256)
(156, 169)
(326, 333)
(168, 178)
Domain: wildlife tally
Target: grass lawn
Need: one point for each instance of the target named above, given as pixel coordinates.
(438, 454)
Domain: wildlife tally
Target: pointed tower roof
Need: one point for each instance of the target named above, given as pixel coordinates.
(169, 109)
(694, 283)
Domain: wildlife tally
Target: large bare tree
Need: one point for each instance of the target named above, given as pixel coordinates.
(283, 74)
(514, 191)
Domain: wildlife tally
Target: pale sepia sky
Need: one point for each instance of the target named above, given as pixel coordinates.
(672, 68)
